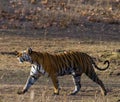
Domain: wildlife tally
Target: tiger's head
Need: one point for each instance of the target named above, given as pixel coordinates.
(24, 56)
(35, 58)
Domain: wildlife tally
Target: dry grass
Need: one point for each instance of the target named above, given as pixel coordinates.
(42, 92)
(57, 13)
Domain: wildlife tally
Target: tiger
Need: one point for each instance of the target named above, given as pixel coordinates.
(72, 63)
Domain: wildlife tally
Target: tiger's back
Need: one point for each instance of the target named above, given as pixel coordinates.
(64, 62)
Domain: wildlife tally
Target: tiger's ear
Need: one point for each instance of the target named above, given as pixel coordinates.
(29, 50)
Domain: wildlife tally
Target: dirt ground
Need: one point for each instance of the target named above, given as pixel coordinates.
(14, 75)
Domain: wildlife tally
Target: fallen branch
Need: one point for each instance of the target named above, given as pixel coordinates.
(9, 53)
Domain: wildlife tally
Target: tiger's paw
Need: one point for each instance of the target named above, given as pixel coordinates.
(54, 94)
(20, 92)
(73, 93)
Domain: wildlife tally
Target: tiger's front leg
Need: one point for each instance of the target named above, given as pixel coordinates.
(34, 75)
(31, 80)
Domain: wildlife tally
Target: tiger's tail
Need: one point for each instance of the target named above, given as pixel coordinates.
(105, 62)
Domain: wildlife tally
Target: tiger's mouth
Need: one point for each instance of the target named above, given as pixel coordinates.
(25, 59)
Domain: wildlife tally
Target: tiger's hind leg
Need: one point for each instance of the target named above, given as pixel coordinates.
(76, 80)
(92, 75)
